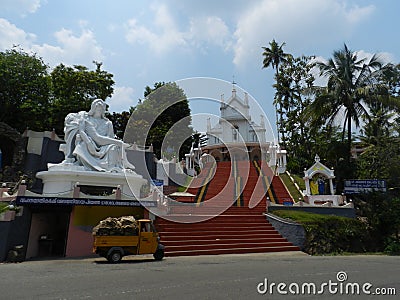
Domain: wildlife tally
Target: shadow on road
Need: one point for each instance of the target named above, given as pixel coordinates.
(128, 261)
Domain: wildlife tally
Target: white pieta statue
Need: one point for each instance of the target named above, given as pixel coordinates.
(90, 141)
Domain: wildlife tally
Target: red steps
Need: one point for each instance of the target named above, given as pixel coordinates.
(236, 250)
(212, 209)
(280, 190)
(234, 230)
(271, 236)
(216, 237)
(224, 234)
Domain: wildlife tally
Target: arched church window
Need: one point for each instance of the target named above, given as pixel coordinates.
(235, 132)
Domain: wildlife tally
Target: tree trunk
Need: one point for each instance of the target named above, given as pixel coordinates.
(349, 137)
(276, 103)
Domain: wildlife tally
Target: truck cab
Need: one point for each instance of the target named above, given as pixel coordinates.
(145, 240)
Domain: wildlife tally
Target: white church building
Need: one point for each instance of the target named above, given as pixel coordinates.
(236, 134)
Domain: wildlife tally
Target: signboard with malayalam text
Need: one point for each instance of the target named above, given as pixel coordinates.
(28, 200)
(357, 186)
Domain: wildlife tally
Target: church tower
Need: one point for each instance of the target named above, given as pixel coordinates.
(235, 129)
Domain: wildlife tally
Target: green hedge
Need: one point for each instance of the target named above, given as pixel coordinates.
(3, 207)
(327, 234)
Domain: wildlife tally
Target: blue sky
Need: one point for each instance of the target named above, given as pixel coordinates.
(142, 42)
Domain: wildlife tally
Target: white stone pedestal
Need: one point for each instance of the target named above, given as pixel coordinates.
(60, 181)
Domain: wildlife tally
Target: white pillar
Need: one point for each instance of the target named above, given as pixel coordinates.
(307, 182)
(187, 163)
(331, 186)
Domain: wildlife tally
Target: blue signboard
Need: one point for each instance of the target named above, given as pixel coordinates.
(158, 182)
(357, 186)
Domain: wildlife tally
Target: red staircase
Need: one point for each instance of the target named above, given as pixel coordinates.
(224, 234)
(238, 229)
(280, 191)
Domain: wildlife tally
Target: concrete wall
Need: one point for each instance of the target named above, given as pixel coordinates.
(4, 232)
(336, 211)
(143, 162)
(292, 231)
(14, 233)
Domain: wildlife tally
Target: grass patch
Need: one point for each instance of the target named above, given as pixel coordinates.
(303, 217)
(326, 234)
(300, 181)
(310, 218)
(188, 181)
(294, 192)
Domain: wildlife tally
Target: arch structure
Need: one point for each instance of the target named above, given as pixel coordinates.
(318, 168)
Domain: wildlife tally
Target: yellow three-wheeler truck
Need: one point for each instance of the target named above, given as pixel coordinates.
(146, 241)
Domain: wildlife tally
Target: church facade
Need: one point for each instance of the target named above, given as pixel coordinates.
(236, 134)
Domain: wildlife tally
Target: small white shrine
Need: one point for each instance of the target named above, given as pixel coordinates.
(318, 168)
(315, 192)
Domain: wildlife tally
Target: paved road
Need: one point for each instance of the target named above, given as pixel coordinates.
(202, 277)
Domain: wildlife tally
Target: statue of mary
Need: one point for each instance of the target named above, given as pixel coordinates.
(90, 141)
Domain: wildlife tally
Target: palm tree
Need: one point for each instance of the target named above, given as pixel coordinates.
(273, 56)
(353, 83)
(380, 127)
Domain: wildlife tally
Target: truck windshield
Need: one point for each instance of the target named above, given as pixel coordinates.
(146, 227)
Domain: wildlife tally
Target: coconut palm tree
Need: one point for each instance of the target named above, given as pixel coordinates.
(352, 84)
(273, 56)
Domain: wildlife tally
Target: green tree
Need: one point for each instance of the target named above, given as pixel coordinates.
(24, 90)
(352, 83)
(162, 119)
(293, 77)
(74, 89)
(274, 56)
(381, 155)
(381, 212)
(391, 75)
(120, 121)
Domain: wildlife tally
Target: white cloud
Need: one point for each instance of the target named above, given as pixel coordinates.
(122, 99)
(11, 35)
(166, 36)
(20, 6)
(209, 30)
(357, 14)
(71, 49)
(298, 22)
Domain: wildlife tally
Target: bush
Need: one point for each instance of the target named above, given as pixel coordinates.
(329, 234)
(381, 213)
(392, 246)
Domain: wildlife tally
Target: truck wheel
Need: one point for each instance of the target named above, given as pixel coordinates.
(159, 254)
(114, 257)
